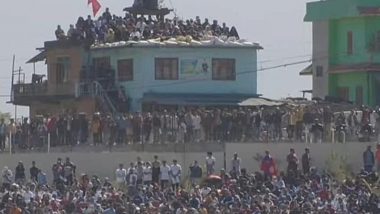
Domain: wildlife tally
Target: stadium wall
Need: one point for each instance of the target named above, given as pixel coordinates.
(104, 164)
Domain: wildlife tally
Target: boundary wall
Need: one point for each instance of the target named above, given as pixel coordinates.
(103, 163)
(321, 154)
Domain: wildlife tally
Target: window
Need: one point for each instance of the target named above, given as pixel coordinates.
(343, 93)
(359, 95)
(125, 70)
(166, 68)
(319, 71)
(101, 63)
(350, 43)
(377, 41)
(223, 69)
(62, 69)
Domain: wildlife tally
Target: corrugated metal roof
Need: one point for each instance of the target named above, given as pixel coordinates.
(39, 57)
(260, 102)
(195, 99)
(307, 71)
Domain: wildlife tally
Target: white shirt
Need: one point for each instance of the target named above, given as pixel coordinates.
(28, 195)
(141, 26)
(210, 161)
(340, 207)
(205, 191)
(372, 118)
(7, 176)
(135, 34)
(147, 173)
(236, 163)
(197, 122)
(176, 170)
(164, 170)
(120, 175)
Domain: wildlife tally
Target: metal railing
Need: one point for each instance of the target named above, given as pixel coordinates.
(30, 89)
(96, 90)
(42, 89)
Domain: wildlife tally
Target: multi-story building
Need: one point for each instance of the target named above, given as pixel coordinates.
(130, 76)
(346, 50)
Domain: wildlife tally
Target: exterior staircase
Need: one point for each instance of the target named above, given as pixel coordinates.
(95, 89)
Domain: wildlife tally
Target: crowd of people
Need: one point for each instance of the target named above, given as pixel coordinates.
(160, 187)
(110, 28)
(195, 125)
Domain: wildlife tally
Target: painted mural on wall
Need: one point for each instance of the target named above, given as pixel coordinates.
(195, 68)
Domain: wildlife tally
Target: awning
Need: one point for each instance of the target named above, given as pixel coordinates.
(260, 102)
(39, 57)
(195, 99)
(307, 71)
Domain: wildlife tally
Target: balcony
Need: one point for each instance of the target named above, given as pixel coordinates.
(26, 93)
(30, 89)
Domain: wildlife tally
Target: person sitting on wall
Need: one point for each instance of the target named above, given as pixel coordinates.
(233, 33)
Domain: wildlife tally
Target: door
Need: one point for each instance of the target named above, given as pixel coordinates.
(343, 93)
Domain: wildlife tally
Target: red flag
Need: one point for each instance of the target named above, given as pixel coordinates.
(95, 6)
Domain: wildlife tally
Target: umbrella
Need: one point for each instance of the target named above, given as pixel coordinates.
(259, 102)
(214, 180)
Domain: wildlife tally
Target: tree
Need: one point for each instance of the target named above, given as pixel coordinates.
(5, 116)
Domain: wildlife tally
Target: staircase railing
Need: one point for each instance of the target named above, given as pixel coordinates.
(100, 92)
(95, 89)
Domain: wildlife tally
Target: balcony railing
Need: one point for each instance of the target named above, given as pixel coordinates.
(43, 89)
(30, 89)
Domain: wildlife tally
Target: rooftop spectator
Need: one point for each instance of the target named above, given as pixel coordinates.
(59, 33)
(110, 28)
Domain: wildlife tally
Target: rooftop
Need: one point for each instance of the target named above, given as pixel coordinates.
(213, 42)
(337, 9)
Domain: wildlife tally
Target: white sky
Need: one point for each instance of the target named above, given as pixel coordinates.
(277, 25)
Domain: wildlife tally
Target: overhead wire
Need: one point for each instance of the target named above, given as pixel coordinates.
(325, 56)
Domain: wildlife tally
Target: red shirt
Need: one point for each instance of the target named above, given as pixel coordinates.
(378, 155)
(324, 195)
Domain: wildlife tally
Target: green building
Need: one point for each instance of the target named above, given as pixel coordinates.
(346, 49)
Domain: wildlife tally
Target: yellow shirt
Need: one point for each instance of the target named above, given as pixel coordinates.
(292, 118)
(299, 115)
(95, 126)
(12, 128)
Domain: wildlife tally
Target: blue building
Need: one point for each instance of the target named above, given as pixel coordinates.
(136, 76)
(101, 73)
(157, 74)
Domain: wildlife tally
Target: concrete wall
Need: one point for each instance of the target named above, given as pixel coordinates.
(94, 161)
(352, 81)
(103, 164)
(144, 71)
(320, 153)
(87, 105)
(76, 55)
(364, 32)
(320, 58)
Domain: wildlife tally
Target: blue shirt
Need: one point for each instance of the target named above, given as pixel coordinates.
(42, 179)
(109, 211)
(3, 128)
